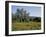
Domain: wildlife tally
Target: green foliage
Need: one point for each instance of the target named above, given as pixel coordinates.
(22, 15)
(37, 19)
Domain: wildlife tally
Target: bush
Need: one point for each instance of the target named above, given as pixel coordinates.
(30, 19)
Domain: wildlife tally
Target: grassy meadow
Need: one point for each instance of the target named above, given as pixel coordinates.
(17, 26)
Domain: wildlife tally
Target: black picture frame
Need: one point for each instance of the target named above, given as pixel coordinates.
(7, 17)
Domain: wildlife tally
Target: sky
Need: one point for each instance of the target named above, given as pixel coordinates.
(33, 10)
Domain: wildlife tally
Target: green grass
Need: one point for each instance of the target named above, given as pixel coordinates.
(18, 26)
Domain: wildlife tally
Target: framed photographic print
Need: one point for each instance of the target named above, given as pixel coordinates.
(24, 18)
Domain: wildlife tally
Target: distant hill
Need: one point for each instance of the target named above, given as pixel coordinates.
(33, 17)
